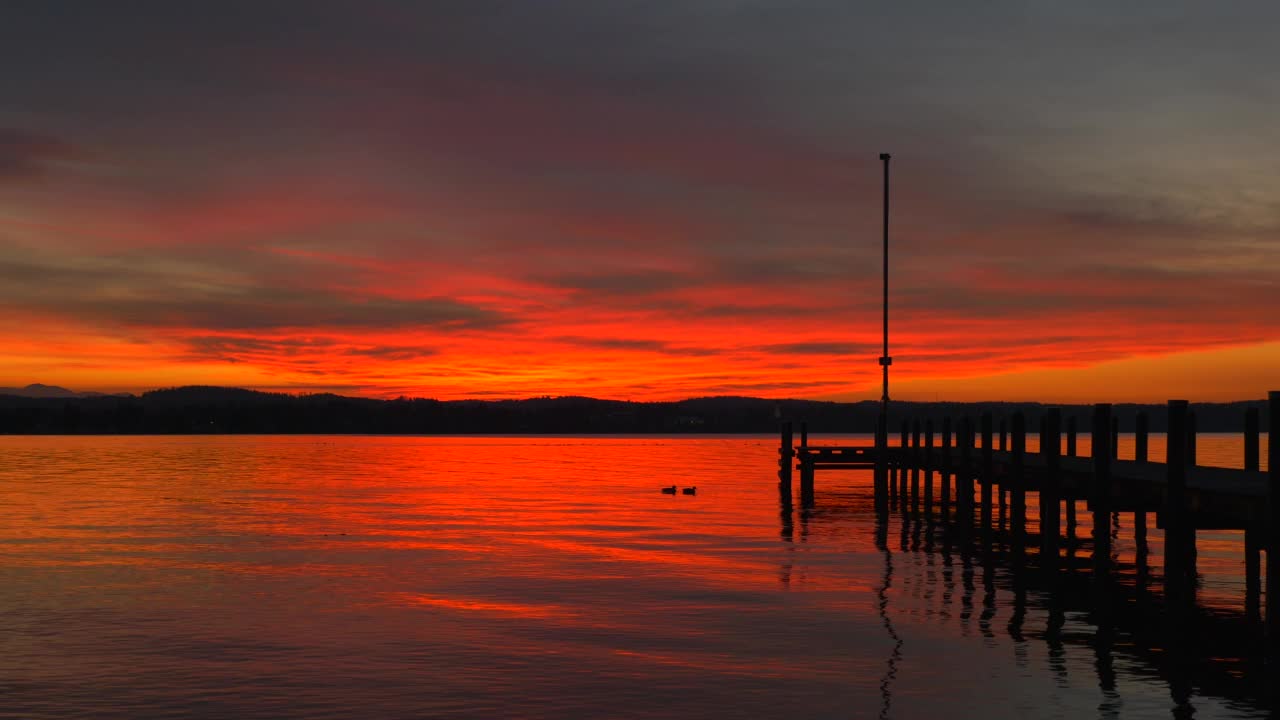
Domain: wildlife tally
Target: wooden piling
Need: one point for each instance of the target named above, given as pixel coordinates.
(1251, 439)
(882, 467)
(806, 482)
(1191, 438)
(1017, 485)
(928, 468)
(903, 460)
(1176, 520)
(1051, 490)
(915, 456)
(891, 468)
(1252, 569)
(1141, 443)
(1069, 499)
(1273, 519)
(1253, 535)
(1140, 437)
(804, 434)
(1100, 487)
(944, 477)
(1115, 437)
(1002, 492)
(988, 469)
(964, 474)
(785, 455)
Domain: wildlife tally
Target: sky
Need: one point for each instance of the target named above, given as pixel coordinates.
(642, 200)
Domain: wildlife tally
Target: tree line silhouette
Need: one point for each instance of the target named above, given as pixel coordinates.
(191, 410)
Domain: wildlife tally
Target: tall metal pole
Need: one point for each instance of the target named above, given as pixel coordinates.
(882, 427)
(885, 360)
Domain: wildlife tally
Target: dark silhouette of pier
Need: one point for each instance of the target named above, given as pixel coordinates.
(963, 485)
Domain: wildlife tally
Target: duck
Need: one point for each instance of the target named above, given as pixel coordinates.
(690, 490)
(669, 490)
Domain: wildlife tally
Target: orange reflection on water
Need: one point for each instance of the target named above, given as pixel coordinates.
(550, 571)
(536, 612)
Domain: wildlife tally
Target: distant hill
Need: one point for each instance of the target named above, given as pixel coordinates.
(36, 390)
(43, 409)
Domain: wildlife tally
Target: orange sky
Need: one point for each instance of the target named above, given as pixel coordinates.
(647, 203)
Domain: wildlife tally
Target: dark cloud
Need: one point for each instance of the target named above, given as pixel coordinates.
(673, 349)
(152, 292)
(26, 154)
(615, 343)
(246, 348)
(641, 282)
(821, 348)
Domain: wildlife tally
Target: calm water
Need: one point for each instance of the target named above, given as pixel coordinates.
(374, 577)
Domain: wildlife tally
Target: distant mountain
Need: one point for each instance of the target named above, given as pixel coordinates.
(37, 390)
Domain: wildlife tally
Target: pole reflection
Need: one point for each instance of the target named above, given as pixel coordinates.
(882, 607)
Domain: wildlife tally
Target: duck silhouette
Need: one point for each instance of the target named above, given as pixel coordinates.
(669, 490)
(690, 490)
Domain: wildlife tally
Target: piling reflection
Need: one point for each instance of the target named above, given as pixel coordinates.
(1118, 616)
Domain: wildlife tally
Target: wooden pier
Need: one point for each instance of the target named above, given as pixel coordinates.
(972, 486)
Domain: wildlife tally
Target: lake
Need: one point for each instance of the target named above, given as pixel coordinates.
(538, 577)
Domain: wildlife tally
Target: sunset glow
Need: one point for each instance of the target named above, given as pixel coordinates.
(528, 200)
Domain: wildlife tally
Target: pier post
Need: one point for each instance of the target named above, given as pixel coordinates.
(944, 477)
(928, 467)
(1252, 531)
(916, 458)
(1251, 439)
(1140, 449)
(891, 468)
(1069, 511)
(988, 470)
(1140, 437)
(1115, 437)
(904, 459)
(1051, 490)
(1100, 487)
(1191, 438)
(806, 481)
(1176, 560)
(1003, 491)
(1069, 499)
(964, 474)
(1252, 567)
(1273, 519)
(804, 434)
(1017, 486)
(881, 479)
(786, 453)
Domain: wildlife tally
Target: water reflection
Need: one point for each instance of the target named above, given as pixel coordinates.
(882, 606)
(1194, 651)
(467, 577)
